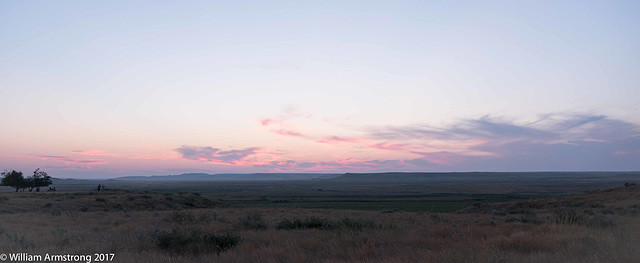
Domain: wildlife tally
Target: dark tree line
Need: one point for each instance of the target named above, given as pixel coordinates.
(19, 182)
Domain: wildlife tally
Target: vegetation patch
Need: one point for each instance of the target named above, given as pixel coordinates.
(196, 241)
(568, 216)
(308, 222)
(186, 217)
(251, 222)
(346, 223)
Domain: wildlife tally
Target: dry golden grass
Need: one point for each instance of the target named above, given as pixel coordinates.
(132, 234)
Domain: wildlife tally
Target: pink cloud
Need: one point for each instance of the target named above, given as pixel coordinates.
(337, 139)
(340, 165)
(286, 132)
(267, 121)
(214, 155)
(93, 152)
(390, 146)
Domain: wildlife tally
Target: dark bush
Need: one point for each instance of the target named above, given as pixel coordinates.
(56, 211)
(121, 207)
(309, 222)
(601, 221)
(608, 211)
(587, 218)
(195, 242)
(180, 217)
(358, 224)
(345, 223)
(525, 218)
(251, 222)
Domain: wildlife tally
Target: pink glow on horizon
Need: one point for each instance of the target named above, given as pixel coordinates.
(154, 156)
(85, 163)
(93, 152)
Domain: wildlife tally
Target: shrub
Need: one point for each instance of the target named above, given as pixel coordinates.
(123, 208)
(195, 241)
(358, 224)
(60, 234)
(525, 218)
(568, 216)
(189, 201)
(608, 211)
(222, 241)
(20, 239)
(309, 222)
(323, 223)
(56, 211)
(251, 222)
(180, 217)
(601, 221)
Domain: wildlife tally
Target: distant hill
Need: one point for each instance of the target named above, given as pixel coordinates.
(229, 177)
(486, 177)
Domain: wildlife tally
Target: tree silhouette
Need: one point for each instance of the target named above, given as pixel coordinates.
(39, 179)
(13, 179)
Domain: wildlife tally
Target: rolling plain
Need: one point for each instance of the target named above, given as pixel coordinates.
(393, 217)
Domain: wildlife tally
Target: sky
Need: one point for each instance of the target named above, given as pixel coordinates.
(100, 89)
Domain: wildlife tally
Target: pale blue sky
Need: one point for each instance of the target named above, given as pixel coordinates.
(146, 78)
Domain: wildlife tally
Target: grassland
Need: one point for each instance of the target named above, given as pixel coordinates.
(254, 222)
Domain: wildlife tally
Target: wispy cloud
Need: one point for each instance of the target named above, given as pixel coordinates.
(85, 163)
(267, 121)
(556, 142)
(337, 139)
(553, 128)
(390, 146)
(93, 152)
(334, 166)
(289, 112)
(496, 143)
(215, 155)
(286, 132)
(154, 156)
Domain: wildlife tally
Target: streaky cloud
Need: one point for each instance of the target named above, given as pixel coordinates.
(215, 155)
(93, 152)
(286, 132)
(337, 139)
(84, 163)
